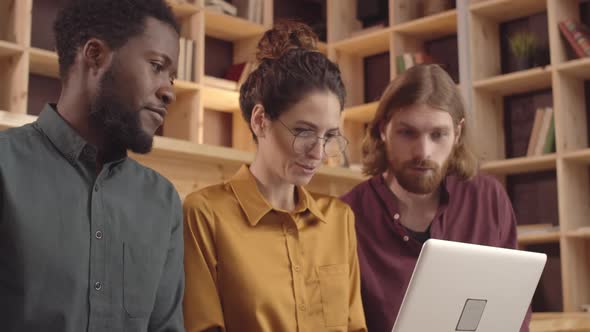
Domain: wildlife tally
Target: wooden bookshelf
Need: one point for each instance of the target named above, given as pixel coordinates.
(579, 68)
(430, 27)
(44, 62)
(362, 113)
(220, 99)
(560, 322)
(515, 83)
(541, 238)
(9, 49)
(230, 28)
(506, 10)
(183, 9)
(181, 156)
(370, 43)
(520, 165)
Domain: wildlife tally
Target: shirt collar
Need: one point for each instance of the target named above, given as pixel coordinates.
(61, 135)
(255, 206)
(66, 139)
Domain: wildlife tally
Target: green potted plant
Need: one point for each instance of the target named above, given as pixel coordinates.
(524, 46)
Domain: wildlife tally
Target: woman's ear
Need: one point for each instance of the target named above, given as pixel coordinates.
(258, 121)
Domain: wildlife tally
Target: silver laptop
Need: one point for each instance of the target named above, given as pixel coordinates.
(465, 287)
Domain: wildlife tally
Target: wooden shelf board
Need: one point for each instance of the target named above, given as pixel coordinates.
(430, 27)
(371, 43)
(507, 10)
(44, 62)
(582, 156)
(182, 9)
(362, 113)
(521, 165)
(560, 321)
(517, 82)
(539, 238)
(171, 148)
(220, 99)
(581, 233)
(579, 68)
(230, 28)
(12, 120)
(9, 49)
(185, 86)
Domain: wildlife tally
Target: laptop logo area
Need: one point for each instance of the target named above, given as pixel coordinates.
(471, 315)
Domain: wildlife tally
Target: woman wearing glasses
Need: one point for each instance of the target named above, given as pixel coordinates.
(261, 252)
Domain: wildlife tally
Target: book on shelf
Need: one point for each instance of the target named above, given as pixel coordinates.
(186, 59)
(542, 139)
(251, 10)
(222, 7)
(239, 72)
(407, 60)
(577, 35)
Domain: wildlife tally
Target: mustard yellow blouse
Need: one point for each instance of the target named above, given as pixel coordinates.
(250, 267)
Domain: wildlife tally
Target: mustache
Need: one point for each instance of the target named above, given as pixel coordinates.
(420, 163)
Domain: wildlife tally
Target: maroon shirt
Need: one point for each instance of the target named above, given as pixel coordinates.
(475, 211)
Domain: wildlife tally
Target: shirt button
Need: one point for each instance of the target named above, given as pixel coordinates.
(96, 188)
(97, 285)
(297, 268)
(396, 216)
(406, 238)
(302, 307)
(98, 235)
(290, 230)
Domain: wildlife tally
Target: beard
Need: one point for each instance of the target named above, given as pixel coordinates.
(421, 183)
(116, 120)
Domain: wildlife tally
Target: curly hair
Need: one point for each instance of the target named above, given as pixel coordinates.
(289, 67)
(113, 21)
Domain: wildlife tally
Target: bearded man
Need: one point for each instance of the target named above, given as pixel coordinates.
(91, 240)
(425, 184)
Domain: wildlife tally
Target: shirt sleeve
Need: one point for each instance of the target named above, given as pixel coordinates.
(508, 236)
(356, 319)
(202, 306)
(167, 313)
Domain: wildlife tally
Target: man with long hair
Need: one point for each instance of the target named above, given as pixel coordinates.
(425, 184)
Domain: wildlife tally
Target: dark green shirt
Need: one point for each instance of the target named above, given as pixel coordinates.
(81, 251)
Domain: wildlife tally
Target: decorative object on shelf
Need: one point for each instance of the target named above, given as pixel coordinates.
(524, 47)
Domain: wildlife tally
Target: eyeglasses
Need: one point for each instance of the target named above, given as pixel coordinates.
(305, 141)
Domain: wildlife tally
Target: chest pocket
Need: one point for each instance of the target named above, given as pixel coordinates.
(141, 273)
(334, 288)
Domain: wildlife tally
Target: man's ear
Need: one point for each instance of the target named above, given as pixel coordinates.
(96, 55)
(258, 121)
(459, 130)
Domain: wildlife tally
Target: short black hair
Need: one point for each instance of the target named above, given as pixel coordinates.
(114, 21)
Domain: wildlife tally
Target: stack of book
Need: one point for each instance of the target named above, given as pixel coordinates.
(186, 60)
(542, 139)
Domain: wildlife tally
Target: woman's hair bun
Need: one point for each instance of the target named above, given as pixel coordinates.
(284, 36)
